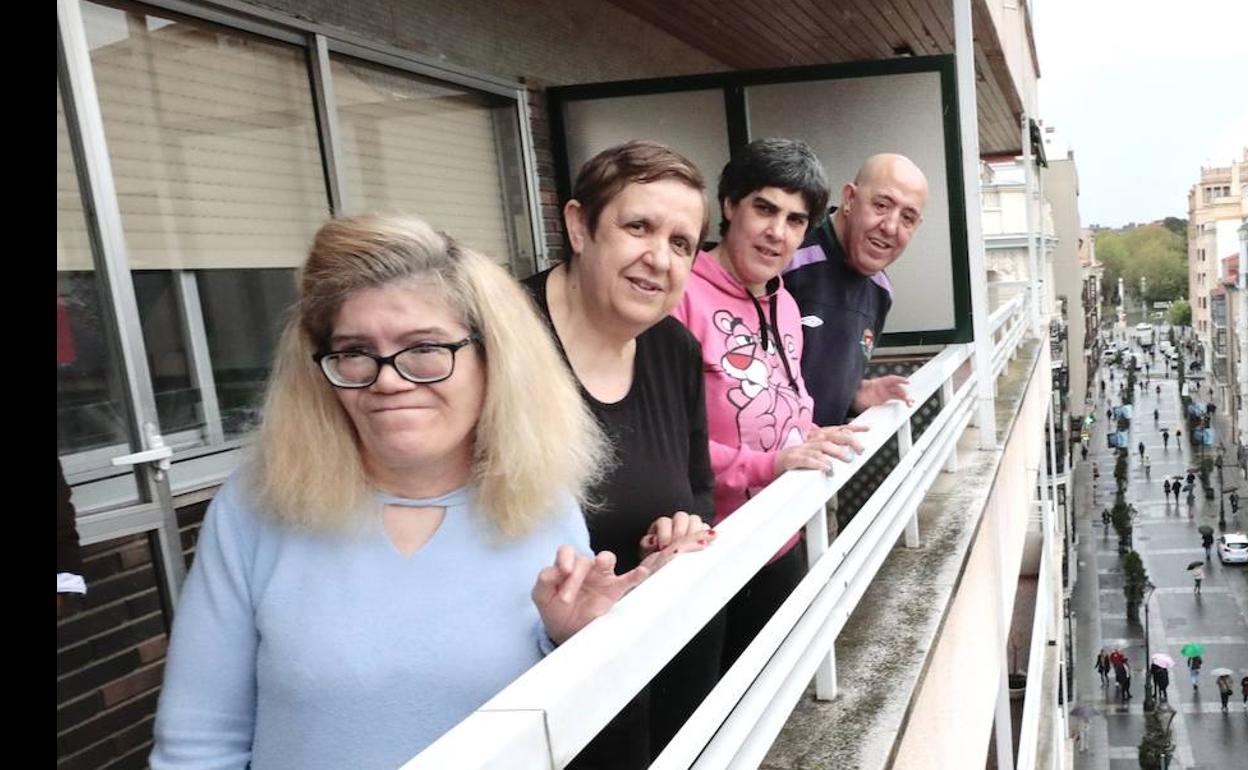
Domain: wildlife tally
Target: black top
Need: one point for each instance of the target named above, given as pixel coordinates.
(843, 313)
(658, 431)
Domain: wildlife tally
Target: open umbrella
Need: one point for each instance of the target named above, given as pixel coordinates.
(1192, 649)
(1084, 711)
(1217, 672)
(1163, 660)
(1195, 565)
(1205, 529)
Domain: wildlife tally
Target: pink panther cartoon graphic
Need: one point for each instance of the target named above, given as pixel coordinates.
(769, 413)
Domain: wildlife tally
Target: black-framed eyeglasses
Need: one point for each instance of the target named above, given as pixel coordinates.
(424, 363)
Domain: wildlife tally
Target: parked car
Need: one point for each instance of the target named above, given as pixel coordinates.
(1233, 548)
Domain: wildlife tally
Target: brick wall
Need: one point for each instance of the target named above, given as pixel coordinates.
(110, 656)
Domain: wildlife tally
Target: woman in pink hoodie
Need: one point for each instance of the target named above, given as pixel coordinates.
(758, 411)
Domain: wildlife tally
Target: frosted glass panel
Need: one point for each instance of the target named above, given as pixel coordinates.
(693, 123)
(846, 121)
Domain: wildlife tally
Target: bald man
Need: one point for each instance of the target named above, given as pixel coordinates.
(838, 280)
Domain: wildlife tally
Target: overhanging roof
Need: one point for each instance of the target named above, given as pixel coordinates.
(746, 34)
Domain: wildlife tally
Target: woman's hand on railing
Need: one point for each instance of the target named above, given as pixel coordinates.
(815, 454)
(842, 435)
(684, 530)
(578, 588)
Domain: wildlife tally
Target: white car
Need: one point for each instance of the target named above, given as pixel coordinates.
(1233, 548)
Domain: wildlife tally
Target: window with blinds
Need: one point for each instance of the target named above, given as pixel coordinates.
(417, 146)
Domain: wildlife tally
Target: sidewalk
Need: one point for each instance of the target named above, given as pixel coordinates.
(1097, 599)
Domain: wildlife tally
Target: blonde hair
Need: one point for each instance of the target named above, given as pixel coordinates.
(534, 439)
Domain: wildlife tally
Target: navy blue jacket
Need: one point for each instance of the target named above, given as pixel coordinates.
(843, 313)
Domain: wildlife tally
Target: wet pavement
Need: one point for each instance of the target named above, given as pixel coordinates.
(1167, 539)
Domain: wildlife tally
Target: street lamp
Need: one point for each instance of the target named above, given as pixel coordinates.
(1149, 702)
(1221, 490)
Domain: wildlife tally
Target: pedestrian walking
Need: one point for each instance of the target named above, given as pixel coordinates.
(1191, 499)
(1176, 488)
(1206, 540)
(1178, 434)
(1243, 687)
(1161, 680)
(1148, 466)
(1083, 451)
(1122, 675)
(1141, 448)
(1224, 689)
(1103, 666)
(1109, 414)
(1165, 439)
(1156, 416)
(1158, 391)
(1165, 489)
(1234, 503)
(1198, 575)
(1193, 669)
(1096, 471)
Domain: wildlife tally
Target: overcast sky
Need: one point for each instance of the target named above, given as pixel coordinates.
(1145, 92)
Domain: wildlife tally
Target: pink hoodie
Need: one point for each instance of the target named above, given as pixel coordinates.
(754, 405)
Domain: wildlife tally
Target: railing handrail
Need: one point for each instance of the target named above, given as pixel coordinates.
(553, 710)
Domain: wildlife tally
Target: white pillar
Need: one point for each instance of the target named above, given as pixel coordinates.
(968, 121)
(1004, 731)
(1033, 262)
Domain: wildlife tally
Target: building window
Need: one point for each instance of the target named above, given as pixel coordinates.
(218, 166)
(417, 145)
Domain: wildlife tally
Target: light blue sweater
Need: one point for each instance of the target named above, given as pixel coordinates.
(294, 650)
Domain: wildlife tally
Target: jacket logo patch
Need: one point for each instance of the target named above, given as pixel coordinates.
(867, 343)
(812, 321)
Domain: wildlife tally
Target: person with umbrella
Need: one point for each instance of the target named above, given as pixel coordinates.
(1084, 713)
(1223, 681)
(1177, 488)
(1161, 674)
(1103, 666)
(1197, 570)
(1206, 539)
(1192, 651)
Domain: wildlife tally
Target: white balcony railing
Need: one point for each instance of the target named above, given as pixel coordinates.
(545, 717)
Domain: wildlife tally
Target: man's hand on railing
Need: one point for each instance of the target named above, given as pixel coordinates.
(677, 528)
(880, 390)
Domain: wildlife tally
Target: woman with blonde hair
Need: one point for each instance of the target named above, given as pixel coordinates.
(382, 566)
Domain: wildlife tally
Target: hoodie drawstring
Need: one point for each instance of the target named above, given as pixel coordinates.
(769, 333)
